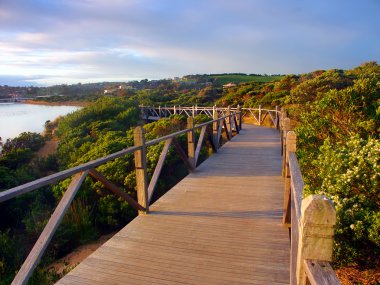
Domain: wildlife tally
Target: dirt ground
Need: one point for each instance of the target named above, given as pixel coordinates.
(50, 147)
(71, 260)
(352, 275)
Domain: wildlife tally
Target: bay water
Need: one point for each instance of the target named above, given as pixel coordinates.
(16, 118)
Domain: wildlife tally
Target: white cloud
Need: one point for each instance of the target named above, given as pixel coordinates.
(31, 38)
(80, 40)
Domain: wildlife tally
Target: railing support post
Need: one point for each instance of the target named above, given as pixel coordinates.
(174, 110)
(259, 115)
(228, 121)
(191, 141)
(291, 146)
(239, 116)
(277, 118)
(140, 167)
(40, 246)
(283, 116)
(285, 129)
(215, 127)
(318, 218)
(159, 111)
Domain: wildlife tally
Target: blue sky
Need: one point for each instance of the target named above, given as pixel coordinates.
(68, 41)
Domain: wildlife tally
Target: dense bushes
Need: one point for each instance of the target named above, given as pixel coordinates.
(338, 139)
(26, 140)
(26, 214)
(349, 173)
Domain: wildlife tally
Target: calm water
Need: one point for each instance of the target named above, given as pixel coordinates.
(18, 118)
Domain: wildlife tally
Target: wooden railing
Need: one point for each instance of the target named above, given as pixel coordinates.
(212, 130)
(311, 221)
(258, 114)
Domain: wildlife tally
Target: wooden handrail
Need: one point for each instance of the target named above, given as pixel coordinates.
(144, 191)
(259, 114)
(50, 179)
(177, 108)
(311, 221)
(320, 273)
(296, 182)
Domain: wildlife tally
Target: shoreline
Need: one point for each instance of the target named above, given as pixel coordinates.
(68, 103)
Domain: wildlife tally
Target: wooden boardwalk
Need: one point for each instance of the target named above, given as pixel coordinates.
(222, 224)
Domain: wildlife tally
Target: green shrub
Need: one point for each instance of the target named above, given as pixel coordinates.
(349, 173)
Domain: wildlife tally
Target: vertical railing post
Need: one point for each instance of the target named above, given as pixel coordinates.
(174, 110)
(239, 116)
(286, 128)
(215, 127)
(196, 110)
(277, 118)
(159, 111)
(318, 218)
(193, 111)
(191, 141)
(291, 145)
(228, 121)
(141, 170)
(276, 112)
(234, 120)
(259, 115)
(283, 116)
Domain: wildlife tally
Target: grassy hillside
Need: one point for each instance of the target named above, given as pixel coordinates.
(242, 78)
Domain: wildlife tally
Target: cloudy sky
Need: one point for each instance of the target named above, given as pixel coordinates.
(68, 41)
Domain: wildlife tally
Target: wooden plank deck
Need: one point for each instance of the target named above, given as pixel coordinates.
(222, 224)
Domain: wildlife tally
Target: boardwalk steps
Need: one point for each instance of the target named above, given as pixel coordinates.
(222, 224)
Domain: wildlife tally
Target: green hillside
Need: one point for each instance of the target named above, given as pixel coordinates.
(244, 78)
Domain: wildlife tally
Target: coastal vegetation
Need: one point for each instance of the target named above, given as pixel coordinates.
(222, 79)
(336, 114)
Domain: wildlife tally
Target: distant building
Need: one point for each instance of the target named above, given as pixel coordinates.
(229, 85)
(109, 91)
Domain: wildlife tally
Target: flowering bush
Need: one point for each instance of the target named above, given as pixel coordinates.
(339, 153)
(349, 174)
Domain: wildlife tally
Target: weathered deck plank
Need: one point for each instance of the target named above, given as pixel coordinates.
(222, 224)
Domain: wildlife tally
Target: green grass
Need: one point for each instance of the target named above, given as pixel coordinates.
(227, 78)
